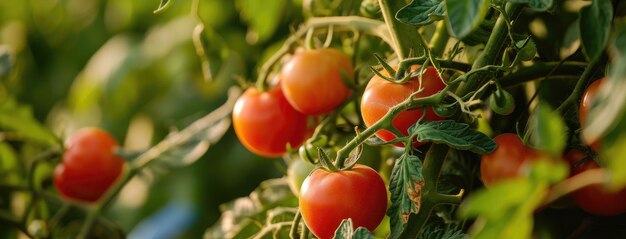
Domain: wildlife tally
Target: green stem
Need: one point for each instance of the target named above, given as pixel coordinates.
(582, 82)
(540, 70)
(351, 23)
(446, 64)
(8, 219)
(440, 40)
(385, 122)
(493, 49)
(405, 38)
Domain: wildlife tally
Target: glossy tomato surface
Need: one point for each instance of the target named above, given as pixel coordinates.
(507, 161)
(89, 167)
(585, 105)
(265, 122)
(380, 95)
(326, 198)
(595, 199)
(312, 80)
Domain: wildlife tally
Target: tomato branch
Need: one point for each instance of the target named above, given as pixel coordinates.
(576, 182)
(589, 72)
(404, 37)
(539, 70)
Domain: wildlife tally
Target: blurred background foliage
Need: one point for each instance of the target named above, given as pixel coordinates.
(115, 64)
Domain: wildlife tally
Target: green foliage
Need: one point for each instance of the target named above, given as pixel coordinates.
(465, 15)
(346, 231)
(595, 24)
(19, 119)
(264, 17)
(539, 5)
(549, 132)
(405, 186)
(422, 12)
(454, 134)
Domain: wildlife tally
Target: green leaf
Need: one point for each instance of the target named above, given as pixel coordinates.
(456, 135)
(422, 12)
(465, 15)
(549, 130)
(239, 217)
(405, 186)
(539, 5)
(345, 231)
(496, 201)
(19, 120)
(164, 5)
(263, 17)
(362, 233)
(595, 22)
(6, 63)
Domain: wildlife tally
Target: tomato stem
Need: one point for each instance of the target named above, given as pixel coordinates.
(404, 37)
(589, 72)
(440, 39)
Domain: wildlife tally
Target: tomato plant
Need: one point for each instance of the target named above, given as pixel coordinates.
(321, 69)
(594, 199)
(266, 123)
(380, 95)
(90, 165)
(326, 198)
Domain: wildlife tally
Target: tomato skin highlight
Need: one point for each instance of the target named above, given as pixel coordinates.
(265, 122)
(312, 80)
(595, 199)
(507, 161)
(89, 167)
(381, 95)
(326, 198)
(585, 105)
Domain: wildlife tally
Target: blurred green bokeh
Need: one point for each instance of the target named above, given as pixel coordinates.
(115, 64)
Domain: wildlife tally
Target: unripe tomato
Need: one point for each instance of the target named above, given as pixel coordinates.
(297, 171)
(381, 95)
(507, 161)
(502, 102)
(89, 167)
(585, 105)
(595, 199)
(265, 122)
(312, 80)
(326, 198)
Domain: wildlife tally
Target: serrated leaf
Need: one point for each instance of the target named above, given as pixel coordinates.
(362, 233)
(164, 5)
(454, 134)
(465, 15)
(539, 5)
(422, 12)
(344, 231)
(595, 22)
(549, 130)
(19, 119)
(405, 187)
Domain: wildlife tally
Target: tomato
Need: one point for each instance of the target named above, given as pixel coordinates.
(585, 104)
(380, 95)
(297, 171)
(502, 102)
(507, 161)
(326, 198)
(595, 199)
(312, 80)
(265, 122)
(89, 167)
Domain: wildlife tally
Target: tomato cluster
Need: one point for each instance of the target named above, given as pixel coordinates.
(326, 198)
(508, 160)
(90, 166)
(312, 82)
(381, 95)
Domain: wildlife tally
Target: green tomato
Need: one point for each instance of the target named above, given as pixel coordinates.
(445, 111)
(296, 173)
(502, 102)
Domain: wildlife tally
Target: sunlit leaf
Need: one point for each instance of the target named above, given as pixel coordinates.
(595, 22)
(405, 187)
(456, 135)
(18, 119)
(422, 12)
(465, 15)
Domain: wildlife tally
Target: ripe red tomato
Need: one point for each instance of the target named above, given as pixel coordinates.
(265, 122)
(90, 165)
(312, 80)
(507, 161)
(380, 95)
(595, 199)
(326, 198)
(585, 104)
